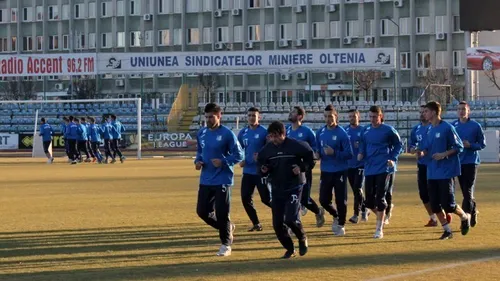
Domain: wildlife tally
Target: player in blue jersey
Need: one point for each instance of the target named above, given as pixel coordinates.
(88, 142)
(95, 139)
(107, 135)
(416, 137)
(72, 137)
(355, 171)
(472, 135)
(303, 133)
(82, 140)
(380, 148)
(63, 132)
(253, 138)
(46, 133)
(218, 150)
(334, 149)
(442, 145)
(285, 161)
(118, 130)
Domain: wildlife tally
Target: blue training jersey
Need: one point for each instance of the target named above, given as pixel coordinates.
(416, 136)
(472, 132)
(354, 135)
(378, 145)
(82, 132)
(338, 140)
(72, 131)
(302, 133)
(118, 129)
(106, 131)
(252, 141)
(46, 132)
(94, 133)
(439, 139)
(222, 144)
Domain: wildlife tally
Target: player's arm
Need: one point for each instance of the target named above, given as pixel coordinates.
(318, 149)
(413, 139)
(345, 153)
(362, 146)
(263, 161)
(311, 140)
(455, 144)
(199, 150)
(306, 154)
(480, 143)
(397, 145)
(122, 128)
(235, 153)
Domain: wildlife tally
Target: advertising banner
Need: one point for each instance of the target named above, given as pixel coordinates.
(9, 141)
(48, 64)
(483, 58)
(248, 61)
(171, 141)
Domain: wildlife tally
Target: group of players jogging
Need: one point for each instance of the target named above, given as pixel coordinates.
(83, 137)
(279, 162)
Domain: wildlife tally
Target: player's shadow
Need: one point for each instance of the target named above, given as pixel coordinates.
(221, 267)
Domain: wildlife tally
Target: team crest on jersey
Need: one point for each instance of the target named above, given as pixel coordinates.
(438, 135)
(256, 136)
(219, 138)
(359, 134)
(300, 135)
(334, 137)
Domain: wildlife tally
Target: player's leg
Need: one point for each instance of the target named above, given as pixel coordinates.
(424, 194)
(222, 210)
(116, 149)
(292, 219)
(309, 203)
(264, 191)
(388, 198)
(73, 151)
(447, 196)
(340, 190)
(467, 183)
(326, 197)
(96, 151)
(247, 189)
(278, 210)
(46, 145)
(382, 182)
(357, 192)
(205, 207)
(434, 188)
(90, 150)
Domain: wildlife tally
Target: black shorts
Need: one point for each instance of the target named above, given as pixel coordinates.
(46, 145)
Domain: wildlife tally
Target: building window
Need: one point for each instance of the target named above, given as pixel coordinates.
(207, 35)
(178, 36)
(221, 4)
(207, 5)
(164, 37)
(28, 44)
(4, 45)
(253, 33)
(441, 59)
(120, 39)
(65, 12)
(3, 15)
(92, 44)
(253, 4)
(65, 42)
(238, 34)
(458, 57)
(318, 30)
(223, 34)
(456, 24)
(387, 27)
(441, 24)
(106, 40)
(53, 12)
(148, 38)
(54, 42)
(120, 8)
(351, 28)
(39, 43)
(135, 8)
(13, 44)
(422, 25)
(80, 41)
(334, 29)
(105, 9)
(193, 36)
(92, 9)
(405, 61)
(135, 39)
(192, 6)
(79, 11)
(404, 26)
(423, 60)
(301, 30)
(269, 32)
(178, 6)
(369, 30)
(28, 14)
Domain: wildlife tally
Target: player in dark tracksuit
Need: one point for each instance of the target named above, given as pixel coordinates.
(380, 148)
(303, 133)
(218, 150)
(442, 144)
(252, 138)
(72, 136)
(334, 150)
(65, 137)
(472, 136)
(355, 171)
(285, 161)
(88, 142)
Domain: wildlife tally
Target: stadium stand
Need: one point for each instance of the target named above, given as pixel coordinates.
(19, 118)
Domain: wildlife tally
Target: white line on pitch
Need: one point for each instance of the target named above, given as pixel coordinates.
(418, 272)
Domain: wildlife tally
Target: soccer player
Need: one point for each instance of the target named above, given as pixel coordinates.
(253, 138)
(46, 133)
(63, 132)
(95, 139)
(334, 150)
(117, 132)
(303, 133)
(87, 142)
(285, 161)
(106, 131)
(418, 133)
(380, 148)
(82, 141)
(218, 150)
(442, 144)
(72, 137)
(355, 171)
(472, 135)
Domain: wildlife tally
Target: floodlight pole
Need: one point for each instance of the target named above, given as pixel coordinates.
(398, 63)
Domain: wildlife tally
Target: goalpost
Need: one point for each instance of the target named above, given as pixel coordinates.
(37, 150)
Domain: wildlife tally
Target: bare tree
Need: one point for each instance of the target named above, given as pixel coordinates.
(207, 83)
(365, 79)
(28, 89)
(442, 87)
(85, 88)
(495, 81)
(11, 90)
